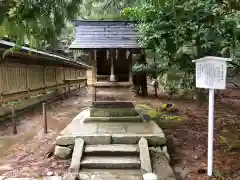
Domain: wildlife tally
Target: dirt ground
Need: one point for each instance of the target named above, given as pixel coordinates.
(188, 142)
(26, 154)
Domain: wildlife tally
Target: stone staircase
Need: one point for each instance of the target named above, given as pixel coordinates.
(111, 142)
(107, 161)
(113, 156)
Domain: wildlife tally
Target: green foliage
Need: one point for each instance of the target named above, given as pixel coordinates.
(178, 31)
(36, 22)
(44, 24)
(103, 9)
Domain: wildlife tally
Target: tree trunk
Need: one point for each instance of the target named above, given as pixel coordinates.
(201, 96)
(144, 84)
(155, 90)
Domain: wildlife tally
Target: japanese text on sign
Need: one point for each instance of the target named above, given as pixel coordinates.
(211, 75)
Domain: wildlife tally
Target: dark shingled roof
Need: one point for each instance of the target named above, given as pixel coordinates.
(4, 45)
(105, 34)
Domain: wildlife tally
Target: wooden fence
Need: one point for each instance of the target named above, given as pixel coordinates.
(21, 80)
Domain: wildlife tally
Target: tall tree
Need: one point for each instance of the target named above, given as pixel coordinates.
(179, 31)
(103, 9)
(36, 22)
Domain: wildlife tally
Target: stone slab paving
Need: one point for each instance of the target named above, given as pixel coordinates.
(110, 162)
(114, 119)
(52, 178)
(112, 112)
(112, 148)
(110, 175)
(110, 132)
(43, 178)
(77, 126)
(20, 179)
(111, 128)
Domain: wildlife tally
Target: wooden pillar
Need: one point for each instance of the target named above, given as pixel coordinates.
(129, 59)
(112, 76)
(93, 60)
(130, 66)
(75, 53)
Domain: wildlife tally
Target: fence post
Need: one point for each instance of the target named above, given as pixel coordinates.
(14, 123)
(27, 79)
(64, 78)
(44, 80)
(69, 88)
(44, 117)
(56, 79)
(94, 93)
(1, 100)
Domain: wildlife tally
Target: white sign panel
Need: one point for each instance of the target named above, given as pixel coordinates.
(211, 74)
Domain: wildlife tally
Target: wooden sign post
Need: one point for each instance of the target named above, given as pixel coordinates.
(211, 74)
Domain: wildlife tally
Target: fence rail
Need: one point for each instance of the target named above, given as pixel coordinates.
(19, 81)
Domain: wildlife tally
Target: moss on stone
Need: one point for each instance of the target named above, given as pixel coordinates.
(229, 142)
(235, 145)
(154, 114)
(168, 108)
(161, 117)
(174, 118)
(170, 121)
(223, 140)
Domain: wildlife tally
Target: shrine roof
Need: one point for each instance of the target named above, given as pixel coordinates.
(105, 34)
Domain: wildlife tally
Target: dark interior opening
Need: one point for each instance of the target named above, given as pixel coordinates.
(103, 64)
(121, 66)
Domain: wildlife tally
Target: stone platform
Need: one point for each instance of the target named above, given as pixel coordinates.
(110, 132)
(102, 174)
(112, 109)
(110, 140)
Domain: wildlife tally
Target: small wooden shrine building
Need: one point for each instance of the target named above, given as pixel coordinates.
(110, 46)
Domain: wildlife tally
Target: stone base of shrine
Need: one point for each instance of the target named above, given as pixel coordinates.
(110, 132)
(112, 109)
(112, 91)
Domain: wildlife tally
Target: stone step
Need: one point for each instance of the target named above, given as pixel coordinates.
(114, 119)
(112, 149)
(110, 174)
(112, 112)
(112, 104)
(108, 162)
